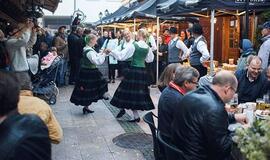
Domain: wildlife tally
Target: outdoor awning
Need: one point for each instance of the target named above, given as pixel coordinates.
(189, 7)
(111, 17)
(146, 10)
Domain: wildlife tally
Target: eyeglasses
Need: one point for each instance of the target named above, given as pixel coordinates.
(193, 82)
(234, 89)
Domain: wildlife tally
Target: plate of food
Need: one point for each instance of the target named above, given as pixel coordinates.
(263, 114)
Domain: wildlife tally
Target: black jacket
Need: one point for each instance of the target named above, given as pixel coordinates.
(168, 101)
(75, 46)
(200, 126)
(24, 137)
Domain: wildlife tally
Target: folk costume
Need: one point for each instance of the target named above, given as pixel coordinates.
(133, 92)
(91, 86)
(124, 65)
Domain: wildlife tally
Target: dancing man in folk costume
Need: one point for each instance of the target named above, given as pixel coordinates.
(133, 92)
(90, 86)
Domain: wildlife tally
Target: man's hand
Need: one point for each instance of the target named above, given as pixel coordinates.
(241, 118)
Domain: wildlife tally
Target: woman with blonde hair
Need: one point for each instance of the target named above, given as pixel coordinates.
(167, 76)
(133, 92)
(90, 86)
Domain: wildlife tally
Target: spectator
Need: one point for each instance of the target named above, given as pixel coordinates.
(185, 80)
(200, 124)
(101, 41)
(75, 48)
(190, 39)
(16, 45)
(167, 76)
(31, 43)
(246, 49)
(62, 49)
(4, 59)
(268, 73)
(40, 38)
(163, 54)
(265, 47)
(252, 84)
(120, 37)
(111, 43)
(199, 53)
(183, 36)
(21, 136)
(28, 104)
(177, 50)
(166, 35)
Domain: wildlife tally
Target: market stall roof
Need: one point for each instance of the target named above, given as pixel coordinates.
(115, 14)
(146, 10)
(18, 10)
(124, 12)
(192, 7)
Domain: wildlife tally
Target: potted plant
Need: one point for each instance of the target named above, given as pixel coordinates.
(254, 142)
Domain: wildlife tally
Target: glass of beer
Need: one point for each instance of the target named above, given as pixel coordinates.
(260, 104)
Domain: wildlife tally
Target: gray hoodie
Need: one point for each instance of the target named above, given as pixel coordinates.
(265, 51)
(17, 51)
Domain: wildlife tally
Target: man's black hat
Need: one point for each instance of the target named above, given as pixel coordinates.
(197, 29)
(173, 30)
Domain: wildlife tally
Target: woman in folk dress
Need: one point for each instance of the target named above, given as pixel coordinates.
(133, 92)
(91, 86)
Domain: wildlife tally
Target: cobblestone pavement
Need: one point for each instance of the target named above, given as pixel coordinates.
(90, 137)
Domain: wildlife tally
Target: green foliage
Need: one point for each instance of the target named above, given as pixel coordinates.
(265, 16)
(254, 142)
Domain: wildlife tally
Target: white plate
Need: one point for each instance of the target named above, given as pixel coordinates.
(260, 116)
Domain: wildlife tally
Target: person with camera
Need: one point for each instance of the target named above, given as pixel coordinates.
(16, 44)
(62, 49)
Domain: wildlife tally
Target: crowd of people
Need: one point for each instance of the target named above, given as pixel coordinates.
(192, 110)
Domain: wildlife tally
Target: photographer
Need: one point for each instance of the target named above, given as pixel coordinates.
(62, 47)
(17, 42)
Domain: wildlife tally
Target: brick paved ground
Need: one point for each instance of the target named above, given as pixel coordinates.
(90, 137)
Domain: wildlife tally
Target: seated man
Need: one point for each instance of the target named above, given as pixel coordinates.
(200, 124)
(185, 80)
(252, 83)
(21, 136)
(33, 105)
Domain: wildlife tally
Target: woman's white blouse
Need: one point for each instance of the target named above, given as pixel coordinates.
(129, 51)
(94, 57)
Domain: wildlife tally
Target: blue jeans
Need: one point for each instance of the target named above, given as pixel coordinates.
(61, 74)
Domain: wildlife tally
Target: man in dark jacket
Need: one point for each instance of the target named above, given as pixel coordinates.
(200, 125)
(75, 49)
(21, 136)
(185, 80)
